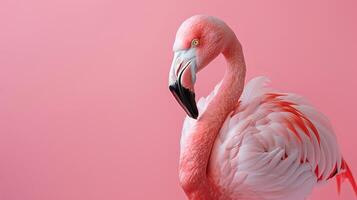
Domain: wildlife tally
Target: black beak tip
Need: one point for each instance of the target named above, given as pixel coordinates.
(185, 98)
(193, 115)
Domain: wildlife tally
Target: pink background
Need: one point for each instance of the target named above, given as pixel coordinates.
(85, 111)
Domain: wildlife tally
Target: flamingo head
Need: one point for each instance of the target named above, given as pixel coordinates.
(198, 41)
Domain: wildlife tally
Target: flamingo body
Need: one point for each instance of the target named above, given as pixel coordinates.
(272, 146)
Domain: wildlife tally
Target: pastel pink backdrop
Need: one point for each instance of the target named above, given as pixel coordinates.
(85, 111)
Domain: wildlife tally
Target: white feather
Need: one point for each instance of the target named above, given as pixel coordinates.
(257, 157)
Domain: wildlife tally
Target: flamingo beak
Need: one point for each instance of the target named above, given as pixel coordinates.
(184, 96)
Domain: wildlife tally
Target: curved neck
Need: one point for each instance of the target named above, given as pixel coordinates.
(231, 87)
(195, 153)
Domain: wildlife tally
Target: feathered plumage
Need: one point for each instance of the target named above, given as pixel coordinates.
(274, 145)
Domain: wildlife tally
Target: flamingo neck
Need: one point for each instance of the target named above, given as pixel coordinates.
(195, 153)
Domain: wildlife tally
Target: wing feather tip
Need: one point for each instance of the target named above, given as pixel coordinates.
(346, 174)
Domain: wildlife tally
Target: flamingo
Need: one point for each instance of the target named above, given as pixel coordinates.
(246, 143)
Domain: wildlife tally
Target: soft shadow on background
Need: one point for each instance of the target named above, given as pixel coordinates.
(85, 111)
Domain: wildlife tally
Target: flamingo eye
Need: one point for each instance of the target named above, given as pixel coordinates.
(195, 42)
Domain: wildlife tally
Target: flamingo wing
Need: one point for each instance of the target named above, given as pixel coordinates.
(273, 146)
